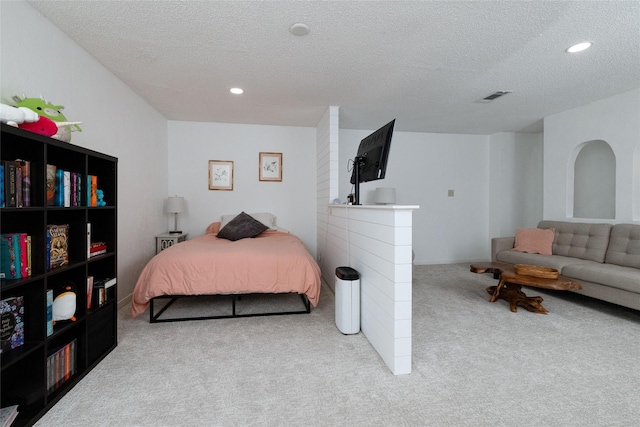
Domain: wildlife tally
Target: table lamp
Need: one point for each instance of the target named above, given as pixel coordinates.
(175, 205)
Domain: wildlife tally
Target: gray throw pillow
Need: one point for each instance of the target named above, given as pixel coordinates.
(241, 227)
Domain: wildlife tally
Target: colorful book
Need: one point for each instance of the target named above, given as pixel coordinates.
(1, 185)
(61, 365)
(25, 167)
(10, 184)
(30, 265)
(74, 189)
(18, 178)
(10, 267)
(59, 194)
(12, 323)
(49, 312)
(66, 188)
(51, 184)
(97, 248)
(78, 189)
(25, 262)
(58, 244)
(94, 189)
(102, 291)
(89, 190)
(89, 291)
(88, 240)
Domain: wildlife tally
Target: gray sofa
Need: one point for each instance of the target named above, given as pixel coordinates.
(603, 258)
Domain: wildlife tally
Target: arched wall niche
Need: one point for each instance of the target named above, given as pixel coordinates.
(594, 181)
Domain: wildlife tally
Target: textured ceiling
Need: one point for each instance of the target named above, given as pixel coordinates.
(426, 63)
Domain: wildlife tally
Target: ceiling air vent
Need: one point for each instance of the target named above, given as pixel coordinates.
(495, 95)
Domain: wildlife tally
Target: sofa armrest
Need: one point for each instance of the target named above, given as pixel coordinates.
(499, 244)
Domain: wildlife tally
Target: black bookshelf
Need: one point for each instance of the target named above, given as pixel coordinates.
(25, 376)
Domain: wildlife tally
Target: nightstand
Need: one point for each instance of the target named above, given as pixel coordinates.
(164, 240)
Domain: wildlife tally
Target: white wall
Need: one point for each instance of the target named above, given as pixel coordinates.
(515, 182)
(615, 120)
(193, 144)
(39, 59)
(327, 134)
(423, 167)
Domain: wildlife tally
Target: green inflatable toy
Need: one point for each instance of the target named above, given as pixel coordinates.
(50, 111)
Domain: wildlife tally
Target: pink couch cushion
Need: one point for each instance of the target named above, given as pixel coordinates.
(534, 240)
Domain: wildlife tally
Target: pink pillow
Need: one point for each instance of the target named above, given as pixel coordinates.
(534, 240)
(213, 228)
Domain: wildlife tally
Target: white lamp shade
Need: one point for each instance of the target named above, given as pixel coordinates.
(385, 196)
(175, 204)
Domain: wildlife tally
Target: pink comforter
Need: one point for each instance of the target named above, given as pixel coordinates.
(273, 262)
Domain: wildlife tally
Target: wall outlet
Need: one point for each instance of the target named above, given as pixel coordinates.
(450, 194)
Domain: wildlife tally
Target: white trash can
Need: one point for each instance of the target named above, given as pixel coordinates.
(347, 300)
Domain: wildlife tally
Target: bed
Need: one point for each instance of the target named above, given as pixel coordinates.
(272, 262)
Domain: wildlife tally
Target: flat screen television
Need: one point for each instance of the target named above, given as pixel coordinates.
(370, 162)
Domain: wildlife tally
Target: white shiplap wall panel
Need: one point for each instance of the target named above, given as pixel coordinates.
(377, 242)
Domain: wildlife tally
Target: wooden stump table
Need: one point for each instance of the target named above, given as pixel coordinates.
(510, 284)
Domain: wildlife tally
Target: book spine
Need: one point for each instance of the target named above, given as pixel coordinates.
(94, 189)
(89, 291)
(88, 240)
(10, 184)
(49, 380)
(5, 257)
(25, 165)
(17, 254)
(51, 184)
(67, 361)
(59, 195)
(30, 265)
(88, 183)
(79, 189)
(49, 312)
(48, 249)
(19, 203)
(1, 185)
(58, 368)
(74, 189)
(66, 185)
(74, 356)
(24, 255)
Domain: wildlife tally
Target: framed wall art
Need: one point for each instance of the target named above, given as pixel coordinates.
(220, 175)
(270, 167)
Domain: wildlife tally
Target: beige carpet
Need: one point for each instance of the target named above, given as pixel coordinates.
(474, 364)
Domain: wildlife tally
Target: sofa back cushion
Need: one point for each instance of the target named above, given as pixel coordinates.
(624, 248)
(579, 240)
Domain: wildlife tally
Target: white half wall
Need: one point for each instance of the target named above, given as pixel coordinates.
(37, 58)
(293, 201)
(376, 241)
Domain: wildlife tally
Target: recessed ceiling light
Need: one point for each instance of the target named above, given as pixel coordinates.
(236, 91)
(579, 47)
(299, 29)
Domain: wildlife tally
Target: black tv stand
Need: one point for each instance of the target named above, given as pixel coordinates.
(358, 162)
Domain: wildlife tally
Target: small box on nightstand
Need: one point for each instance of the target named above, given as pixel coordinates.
(164, 240)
